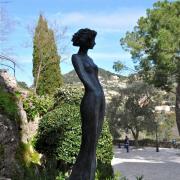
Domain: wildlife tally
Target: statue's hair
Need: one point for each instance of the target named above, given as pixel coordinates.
(83, 37)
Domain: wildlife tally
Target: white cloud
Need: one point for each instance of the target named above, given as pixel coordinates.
(110, 56)
(112, 21)
(24, 59)
(107, 56)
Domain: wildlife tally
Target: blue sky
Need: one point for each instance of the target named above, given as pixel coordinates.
(110, 18)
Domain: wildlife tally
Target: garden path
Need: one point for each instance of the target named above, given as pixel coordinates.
(163, 165)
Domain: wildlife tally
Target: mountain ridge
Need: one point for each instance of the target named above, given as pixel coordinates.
(110, 82)
(71, 77)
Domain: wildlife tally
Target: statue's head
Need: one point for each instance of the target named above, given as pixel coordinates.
(84, 38)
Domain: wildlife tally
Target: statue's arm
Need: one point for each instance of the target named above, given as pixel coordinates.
(82, 74)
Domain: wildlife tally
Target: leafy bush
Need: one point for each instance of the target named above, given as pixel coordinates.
(8, 104)
(62, 176)
(104, 154)
(104, 171)
(54, 132)
(59, 135)
(68, 94)
(37, 105)
(139, 177)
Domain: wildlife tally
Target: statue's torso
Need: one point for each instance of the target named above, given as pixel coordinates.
(90, 71)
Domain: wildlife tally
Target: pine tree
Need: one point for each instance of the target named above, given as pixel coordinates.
(46, 69)
(154, 45)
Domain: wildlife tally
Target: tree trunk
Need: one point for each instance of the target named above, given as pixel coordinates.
(135, 135)
(178, 106)
(38, 74)
(136, 140)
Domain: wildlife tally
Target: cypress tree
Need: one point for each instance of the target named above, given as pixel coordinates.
(46, 68)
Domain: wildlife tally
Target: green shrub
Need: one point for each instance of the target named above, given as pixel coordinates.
(104, 171)
(62, 176)
(59, 136)
(54, 137)
(68, 94)
(123, 178)
(139, 177)
(35, 105)
(104, 154)
(8, 104)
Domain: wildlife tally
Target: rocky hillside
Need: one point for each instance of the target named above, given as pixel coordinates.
(110, 81)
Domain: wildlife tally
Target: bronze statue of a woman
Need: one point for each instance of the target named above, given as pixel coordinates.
(92, 107)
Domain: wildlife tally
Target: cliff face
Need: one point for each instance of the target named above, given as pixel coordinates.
(14, 128)
(9, 142)
(9, 127)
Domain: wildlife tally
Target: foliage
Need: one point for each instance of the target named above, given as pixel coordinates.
(32, 165)
(123, 178)
(155, 44)
(104, 154)
(59, 135)
(118, 66)
(23, 85)
(165, 124)
(104, 148)
(35, 105)
(132, 109)
(8, 104)
(139, 177)
(27, 154)
(28, 162)
(68, 94)
(62, 176)
(104, 171)
(46, 61)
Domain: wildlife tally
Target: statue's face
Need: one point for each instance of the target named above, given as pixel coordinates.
(92, 44)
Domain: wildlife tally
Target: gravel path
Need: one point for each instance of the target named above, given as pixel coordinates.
(163, 165)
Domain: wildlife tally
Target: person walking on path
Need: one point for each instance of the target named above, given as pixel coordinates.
(126, 144)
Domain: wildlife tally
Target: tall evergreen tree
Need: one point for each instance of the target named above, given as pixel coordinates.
(46, 69)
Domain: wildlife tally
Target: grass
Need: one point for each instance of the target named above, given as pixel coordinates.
(8, 104)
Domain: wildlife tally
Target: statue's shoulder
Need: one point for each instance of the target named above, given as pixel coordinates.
(75, 57)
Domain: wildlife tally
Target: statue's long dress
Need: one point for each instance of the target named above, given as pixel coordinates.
(92, 114)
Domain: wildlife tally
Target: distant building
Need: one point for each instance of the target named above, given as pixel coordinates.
(163, 108)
